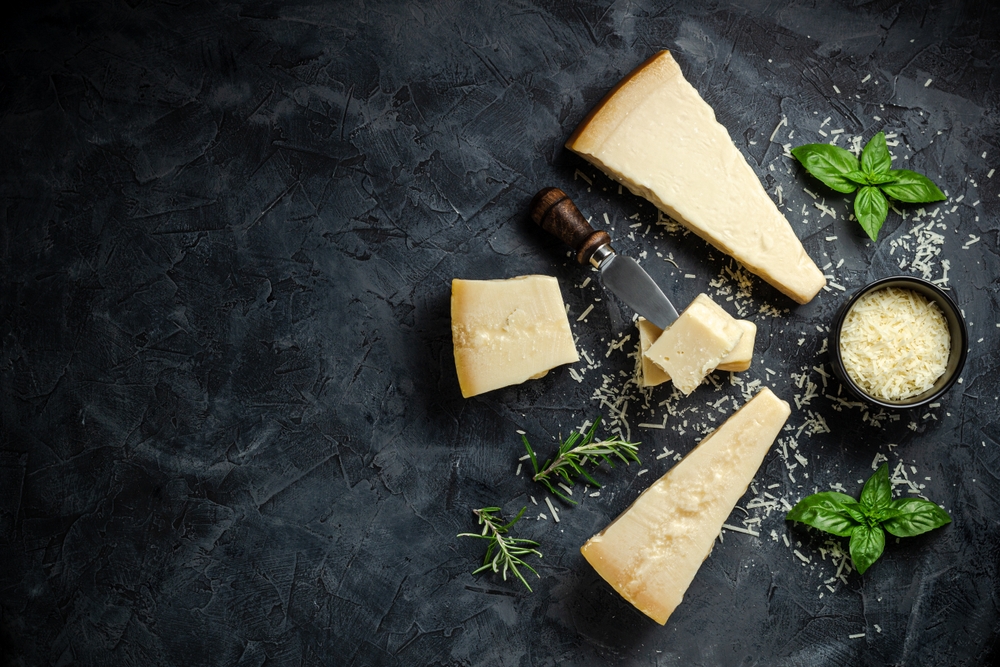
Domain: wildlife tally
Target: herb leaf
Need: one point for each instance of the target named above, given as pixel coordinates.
(858, 177)
(574, 453)
(839, 170)
(877, 492)
(870, 208)
(875, 158)
(915, 516)
(866, 521)
(825, 511)
(883, 178)
(867, 544)
(503, 553)
(855, 510)
(912, 187)
(829, 164)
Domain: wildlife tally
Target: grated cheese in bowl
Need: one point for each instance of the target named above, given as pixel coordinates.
(894, 343)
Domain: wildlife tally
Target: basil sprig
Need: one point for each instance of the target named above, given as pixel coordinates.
(840, 170)
(867, 520)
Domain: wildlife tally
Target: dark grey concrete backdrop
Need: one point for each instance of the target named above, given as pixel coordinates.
(231, 428)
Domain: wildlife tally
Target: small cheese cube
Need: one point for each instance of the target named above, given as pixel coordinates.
(652, 551)
(695, 344)
(508, 331)
(737, 360)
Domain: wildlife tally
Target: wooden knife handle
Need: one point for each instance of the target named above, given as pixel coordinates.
(553, 210)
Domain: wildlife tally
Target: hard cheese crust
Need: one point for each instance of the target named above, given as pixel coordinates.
(654, 134)
(508, 331)
(651, 553)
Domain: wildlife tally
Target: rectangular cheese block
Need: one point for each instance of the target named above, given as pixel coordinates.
(695, 344)
(508, 331)
(654, 134)
(737, 360)
(651, 553)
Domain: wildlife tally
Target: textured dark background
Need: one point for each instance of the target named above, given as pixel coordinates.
(231, 429)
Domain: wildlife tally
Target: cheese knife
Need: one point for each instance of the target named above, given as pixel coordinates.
(553, 210)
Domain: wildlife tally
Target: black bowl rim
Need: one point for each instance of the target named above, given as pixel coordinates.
(921, 399)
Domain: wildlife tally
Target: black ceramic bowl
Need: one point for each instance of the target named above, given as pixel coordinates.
(956, 327)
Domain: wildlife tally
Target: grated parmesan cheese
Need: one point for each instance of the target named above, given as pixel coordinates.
(895, 343)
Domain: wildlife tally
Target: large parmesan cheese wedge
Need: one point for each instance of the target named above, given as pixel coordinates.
(508, 331)
(695, 344)
(654, 134)
(651, 553)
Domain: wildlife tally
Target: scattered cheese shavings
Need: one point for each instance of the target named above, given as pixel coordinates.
(737, 529)
(784, 121)
(555, 515)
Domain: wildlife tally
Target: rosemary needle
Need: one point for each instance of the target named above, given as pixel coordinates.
(575, 452)
(503, 553)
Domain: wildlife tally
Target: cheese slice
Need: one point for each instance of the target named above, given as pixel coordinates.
(654, 134)
(737, 360)
(695, 344)
(652, 551)
(508, 331)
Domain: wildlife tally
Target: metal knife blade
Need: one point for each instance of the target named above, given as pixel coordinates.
(630, 283)
(556, 213)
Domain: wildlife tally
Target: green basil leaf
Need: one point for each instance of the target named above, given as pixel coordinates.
(912, 187)
(867, 544)
(870, 208)
(915, 516)
(825, 511)
(858, 177)
(875, 158)
(877, 493)
(828, 164)
(881, 179)
(855, 510)
(886, 513)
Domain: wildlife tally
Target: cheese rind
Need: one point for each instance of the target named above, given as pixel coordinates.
(738, 359)
(695, 344)
(655, 134)
(652, 551)
(508, 331)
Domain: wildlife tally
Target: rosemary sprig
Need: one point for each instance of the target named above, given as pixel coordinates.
(573, 455)
(502, 552)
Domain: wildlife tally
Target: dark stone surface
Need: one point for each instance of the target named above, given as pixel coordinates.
(231, 428)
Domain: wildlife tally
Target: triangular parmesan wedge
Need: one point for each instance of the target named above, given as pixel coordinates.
(654, 134)
(651, 553)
